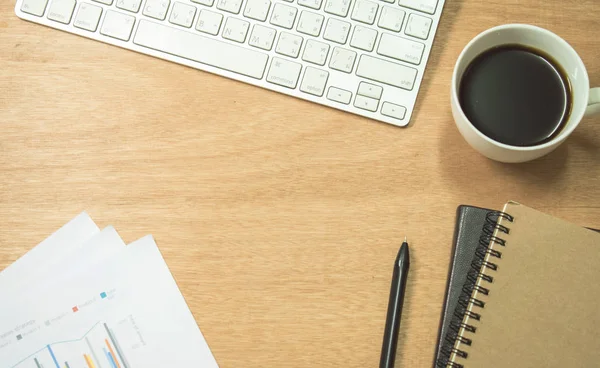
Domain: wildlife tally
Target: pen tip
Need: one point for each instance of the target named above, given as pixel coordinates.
(405, 239)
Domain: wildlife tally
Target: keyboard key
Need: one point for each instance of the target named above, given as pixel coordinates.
(315, 52)
(369, 90)
(205, 50)
(418, 26)
(61, 11)
(336, 31)
(363, 38)
(389, 1)
(314, 4)
(400, 48)
(209, 22)
(337, 7)
(339, 95)
(314, 81)
(262, 37)
(117, 25)
(283, 15)
(257, 9)
(365, 11)
(182, 14)
(366, 103)
(392, 110)
(129, 5)
(156, 9)
(342, 59)
(88, 17)
(106, 2)
(34, 7)
(387, 72)
(236, 29)
(231, 6)
(427, 6)
(289, 44)
(310, 23)
(391, 18)
(204, 2)
(284, 73)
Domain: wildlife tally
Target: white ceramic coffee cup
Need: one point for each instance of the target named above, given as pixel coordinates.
(584, 101)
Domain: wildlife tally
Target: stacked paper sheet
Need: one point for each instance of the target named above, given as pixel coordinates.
(82, 299)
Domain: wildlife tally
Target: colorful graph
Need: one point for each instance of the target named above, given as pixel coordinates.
(97, 348)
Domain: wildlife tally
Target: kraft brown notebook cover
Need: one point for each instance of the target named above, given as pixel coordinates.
(536, 300)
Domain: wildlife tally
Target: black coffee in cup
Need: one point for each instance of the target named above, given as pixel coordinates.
(516, 95)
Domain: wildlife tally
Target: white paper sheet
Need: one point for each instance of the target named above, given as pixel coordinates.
(101, 247)
(126, 312)
(47, 253)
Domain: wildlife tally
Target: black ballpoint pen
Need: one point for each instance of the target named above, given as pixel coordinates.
(394, 311)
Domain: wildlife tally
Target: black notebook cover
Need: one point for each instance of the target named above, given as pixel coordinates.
(469, 224)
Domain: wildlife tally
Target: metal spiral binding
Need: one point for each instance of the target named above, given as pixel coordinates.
(479, 267)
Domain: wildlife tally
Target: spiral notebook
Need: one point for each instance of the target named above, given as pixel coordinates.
(469, 222)
(535, 298)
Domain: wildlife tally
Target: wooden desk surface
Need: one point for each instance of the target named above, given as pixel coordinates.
(279, 218)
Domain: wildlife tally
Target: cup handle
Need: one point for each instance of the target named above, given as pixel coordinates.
(593, 107)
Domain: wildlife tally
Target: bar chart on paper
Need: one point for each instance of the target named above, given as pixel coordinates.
(98, 348)
(109, 317)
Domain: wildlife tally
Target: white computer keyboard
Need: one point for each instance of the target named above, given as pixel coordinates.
(366, 57)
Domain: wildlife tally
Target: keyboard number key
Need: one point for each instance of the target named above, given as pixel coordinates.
(365, 11)
(363, 38)
(336, 31)
(129, 5)
(289, 44)
(88, 17)
(426, 6)
(262, 37)
(310, 23)
(418, 26)
(156, 9)
(342, 60)
(117, 25)
(182, 14)
(366, 103)
(34, 7)
(393, 111)
(283, 15)
(61, 11)
(314, 81)
(391, 18)
(257, 9)
(284, 73)
(337, 7)
(209, 22)
(315, 52)
(231, 6)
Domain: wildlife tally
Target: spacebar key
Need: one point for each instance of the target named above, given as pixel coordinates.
(201, 49)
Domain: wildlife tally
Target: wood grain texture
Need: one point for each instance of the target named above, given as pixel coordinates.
(279, 218)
